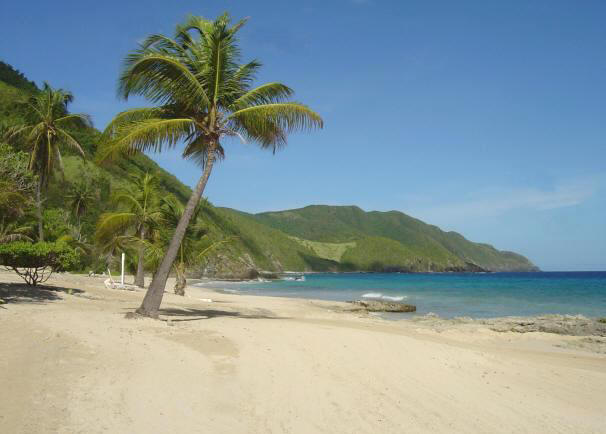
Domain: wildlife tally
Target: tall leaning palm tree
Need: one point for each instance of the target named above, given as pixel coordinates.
(138, 216)
(202, 94)
(45, 131)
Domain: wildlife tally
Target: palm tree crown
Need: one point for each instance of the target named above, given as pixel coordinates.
(79, 199)
(47, 129)
(203, 94)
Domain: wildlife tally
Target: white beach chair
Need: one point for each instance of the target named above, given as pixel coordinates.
(111, 284)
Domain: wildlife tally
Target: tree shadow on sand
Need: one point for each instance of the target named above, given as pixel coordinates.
(193, 314)
(22, 293)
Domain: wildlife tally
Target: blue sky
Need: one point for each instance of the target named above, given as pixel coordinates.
(484, 117)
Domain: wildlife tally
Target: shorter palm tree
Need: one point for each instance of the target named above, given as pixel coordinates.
(73, 237)
(138, 216)
(189, 254)
(79, 200)
(172, 211)
(45, 131)
(111, 246)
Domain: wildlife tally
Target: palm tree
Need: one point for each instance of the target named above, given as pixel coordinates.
(172, 212)
(45, 131)
(202, 95)
(138, 218)
(73, 237)
(78, 200)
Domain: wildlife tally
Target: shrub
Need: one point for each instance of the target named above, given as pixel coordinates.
(16, 182)
(35, 262)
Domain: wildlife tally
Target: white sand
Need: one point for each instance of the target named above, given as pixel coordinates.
(245, 364)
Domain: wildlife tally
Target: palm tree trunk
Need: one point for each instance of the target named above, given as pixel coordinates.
(180, 282)
(79, 229)
(153, 296)
(140, 278)
(39, 210)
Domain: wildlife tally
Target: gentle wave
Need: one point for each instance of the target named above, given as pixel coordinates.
(383, 297)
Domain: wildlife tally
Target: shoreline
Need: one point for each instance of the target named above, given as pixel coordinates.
(562, 324)
(414, 316)
(222, 366)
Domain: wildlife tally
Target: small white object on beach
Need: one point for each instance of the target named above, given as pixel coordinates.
(207, 300)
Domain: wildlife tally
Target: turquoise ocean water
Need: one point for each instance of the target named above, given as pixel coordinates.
(451, 294)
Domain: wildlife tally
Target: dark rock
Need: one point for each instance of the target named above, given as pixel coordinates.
(571, 325)
(383, 306)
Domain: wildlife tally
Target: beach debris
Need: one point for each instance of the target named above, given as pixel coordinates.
(383, 306)
(110, 284)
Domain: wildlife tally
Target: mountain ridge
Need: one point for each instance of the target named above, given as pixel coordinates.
(445, 250)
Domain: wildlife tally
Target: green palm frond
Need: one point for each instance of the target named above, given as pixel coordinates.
(264, 94)
(288, 116)
(75, 120)
(146, 135)
(79, 199)
(111, 224)
(67, 139)
(161, 78)
(127, 200)
(138, 208)
(215, 245)
(268, 124)
(10, 232)
(130, 116)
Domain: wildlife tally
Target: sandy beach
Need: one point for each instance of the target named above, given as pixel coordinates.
(72, 362)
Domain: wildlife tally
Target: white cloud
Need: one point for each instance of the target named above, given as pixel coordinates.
(492, 202)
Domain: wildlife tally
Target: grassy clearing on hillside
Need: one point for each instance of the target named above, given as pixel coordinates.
(332, 251)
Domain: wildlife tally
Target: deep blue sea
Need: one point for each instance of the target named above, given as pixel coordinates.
(449, 295)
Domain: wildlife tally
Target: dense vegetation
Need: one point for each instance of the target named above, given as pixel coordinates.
(15, 78)
(35, 262)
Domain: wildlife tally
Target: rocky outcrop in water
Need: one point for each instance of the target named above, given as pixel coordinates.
(570, 325)
(382, 306)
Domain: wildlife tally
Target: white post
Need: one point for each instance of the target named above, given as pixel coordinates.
(122, 276)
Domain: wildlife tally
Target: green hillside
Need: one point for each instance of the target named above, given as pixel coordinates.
(314, 238)
(390, 240)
